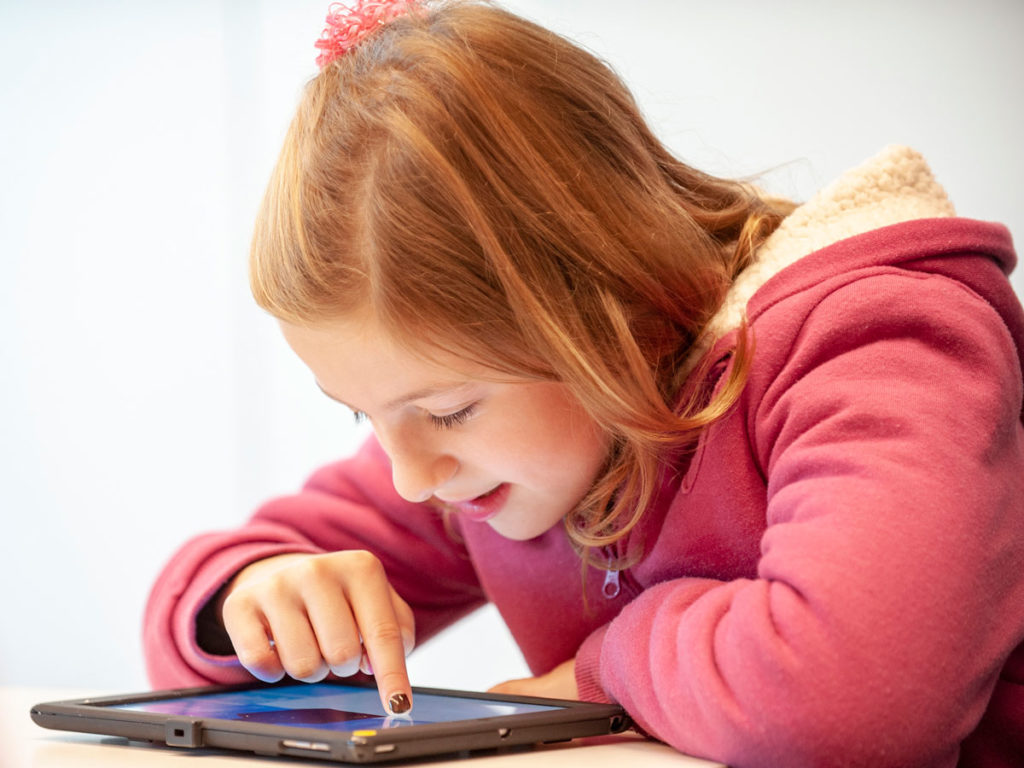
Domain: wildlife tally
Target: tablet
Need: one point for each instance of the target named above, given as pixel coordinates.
(330, 720)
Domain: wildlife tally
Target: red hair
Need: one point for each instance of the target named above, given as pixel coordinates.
(483, 184)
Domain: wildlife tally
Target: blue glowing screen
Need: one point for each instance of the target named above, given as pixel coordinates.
(329, 706)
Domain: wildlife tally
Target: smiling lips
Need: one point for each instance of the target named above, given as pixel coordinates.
(483, 507)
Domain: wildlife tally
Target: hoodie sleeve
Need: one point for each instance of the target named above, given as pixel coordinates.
(887, 595)
(347, 505)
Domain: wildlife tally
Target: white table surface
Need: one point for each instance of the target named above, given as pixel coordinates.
(24, 744)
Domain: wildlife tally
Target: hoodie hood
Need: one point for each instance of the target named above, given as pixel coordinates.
(889, 212)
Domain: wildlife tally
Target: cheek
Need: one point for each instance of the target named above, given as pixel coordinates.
(591, 447)
(568, 443)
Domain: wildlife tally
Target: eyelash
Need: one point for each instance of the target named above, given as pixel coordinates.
(452, 420)
(448, 421)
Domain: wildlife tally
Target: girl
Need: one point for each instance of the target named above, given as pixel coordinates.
(754, 471)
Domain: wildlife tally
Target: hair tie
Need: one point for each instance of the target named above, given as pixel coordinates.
(347, 25)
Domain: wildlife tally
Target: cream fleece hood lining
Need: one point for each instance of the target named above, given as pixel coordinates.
(894, 186)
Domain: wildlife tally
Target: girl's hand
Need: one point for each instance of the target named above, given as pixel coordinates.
(559, 683)
(308, 615)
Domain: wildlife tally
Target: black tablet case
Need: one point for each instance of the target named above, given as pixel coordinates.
(97, 715)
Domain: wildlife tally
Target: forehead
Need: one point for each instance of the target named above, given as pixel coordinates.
(357, 362)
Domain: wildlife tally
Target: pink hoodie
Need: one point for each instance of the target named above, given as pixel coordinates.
(834, 577)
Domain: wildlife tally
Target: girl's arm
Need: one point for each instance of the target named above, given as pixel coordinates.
(888, 595)
(350, 505)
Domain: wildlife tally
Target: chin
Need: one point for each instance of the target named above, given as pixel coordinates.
(517, 531)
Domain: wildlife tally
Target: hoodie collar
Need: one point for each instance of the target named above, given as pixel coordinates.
(894, 186)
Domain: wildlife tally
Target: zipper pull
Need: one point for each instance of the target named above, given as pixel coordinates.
(611, 584)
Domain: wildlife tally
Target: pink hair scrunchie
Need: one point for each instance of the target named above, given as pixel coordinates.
(347, 26)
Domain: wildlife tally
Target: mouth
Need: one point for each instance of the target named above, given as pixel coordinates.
(483, 507)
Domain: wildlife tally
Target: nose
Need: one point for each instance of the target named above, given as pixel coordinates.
(417, 471)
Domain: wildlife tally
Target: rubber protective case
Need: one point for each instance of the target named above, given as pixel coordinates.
(559, 721)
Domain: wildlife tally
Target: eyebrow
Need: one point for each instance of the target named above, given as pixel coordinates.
(398, 402)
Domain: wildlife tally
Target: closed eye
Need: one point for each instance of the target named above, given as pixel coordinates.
(452, 420)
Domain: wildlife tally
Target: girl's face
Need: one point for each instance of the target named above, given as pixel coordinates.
(516, 453)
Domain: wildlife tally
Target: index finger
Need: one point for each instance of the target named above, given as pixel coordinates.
(382, 632)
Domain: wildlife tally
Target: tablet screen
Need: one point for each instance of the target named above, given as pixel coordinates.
(330, 706)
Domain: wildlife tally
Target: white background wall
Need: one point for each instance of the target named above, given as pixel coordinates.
(145, 399)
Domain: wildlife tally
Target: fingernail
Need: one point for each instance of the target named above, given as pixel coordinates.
(347, 669)
(399, 704)
(316, 677)
(408, 643)
(267, 677)
(364, 665)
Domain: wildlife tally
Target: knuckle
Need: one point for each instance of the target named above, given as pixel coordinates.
(342, 654)
(310, 568)
(363, 563)
(305, 667)
(238, 603)
(251, 596)
(257, 658)
(385, 633)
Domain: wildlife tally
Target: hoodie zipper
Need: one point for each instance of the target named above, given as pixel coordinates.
(611, 586)
(615, 579)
